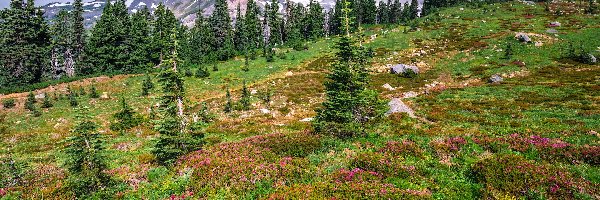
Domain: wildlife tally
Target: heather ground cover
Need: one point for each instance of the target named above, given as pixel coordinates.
(534, 135)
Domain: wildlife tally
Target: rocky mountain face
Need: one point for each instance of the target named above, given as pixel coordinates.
(184, 10)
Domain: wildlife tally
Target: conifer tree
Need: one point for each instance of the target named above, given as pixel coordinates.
(78, 41)
(294, 25)
(125, 119)
(395, 12)
(147, 85)
(335, 22)
(382, 13)
(73, 99)
(220, 23)
(174, 139)
(24, 40)
(349, 105)
(245, 98)
(30, 103)
(86, 157)
(46, 103)
(93, 92)
(239, 32)
(62, 58)
(315, 21)
(164, 27)
(201, 39)
(229, 104)
(108, 50)
(252, 25)
(413, 9)
(140, 41)
(275, 22)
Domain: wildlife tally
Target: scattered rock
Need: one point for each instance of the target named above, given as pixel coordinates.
(397, 106)
(388, 87)
(554, 24)
(289, 73)
(104, 95)
(265, 111)
(410, 94)
(529, 2)
(539, 44)
(591, 59)
(306, 119)
(552, 31)
(40, 96)
(253, 92)
(495, 79)
(402, 68)
(523, 37)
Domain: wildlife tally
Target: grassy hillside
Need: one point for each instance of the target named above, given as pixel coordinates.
(534, 135)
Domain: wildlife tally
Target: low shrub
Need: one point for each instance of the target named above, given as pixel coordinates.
(516, 176)
(8, 103)
(402, 148)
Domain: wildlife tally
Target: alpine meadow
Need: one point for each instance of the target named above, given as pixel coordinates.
(295, 99)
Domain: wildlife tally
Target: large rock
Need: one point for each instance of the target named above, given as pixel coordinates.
(495, 79)
(402, 69)
(591, 59)
(554, 24)
(397, 106)
(523, 37)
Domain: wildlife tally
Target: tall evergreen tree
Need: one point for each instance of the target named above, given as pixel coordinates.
(413, 9)
(108, 46)
(24, 38)
(275, 22)
(164, 27)
(79, 37)
(349, 105)
(140, 41)
(315, 21)
(239, 35)
(294, 25)
(395, 12)
(254, 36)
(201, 40)
(335, 22)
(174, 139)
(147, 85)
(221, 27)
(368, 11)
(382, 13)
(86, 157)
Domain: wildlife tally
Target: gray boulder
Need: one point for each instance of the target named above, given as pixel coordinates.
(40, 96)
(402, 68)
(523, 37)
(397, 106)
(495, 79)
(552, 31)
(591, 59)
(555, 24)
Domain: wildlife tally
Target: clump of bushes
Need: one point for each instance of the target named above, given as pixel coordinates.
(513, 175)
(8, 103)
(292, 144)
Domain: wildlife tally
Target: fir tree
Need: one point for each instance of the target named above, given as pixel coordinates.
(202, 72)
(413, 10)
(73, 100)
(349, 105)
(220, 23)
(382, 13)
(30, 103)
(140, 41)
(147, 85)
(239, 35)
(108, 47)
(125, 119)
(24, 40)
(228, 105)
(335, 23)
(94, 93)
(62, 58)
(275, 22)
(314, 21)
(253, 33)
(46, 103)
(174, 139)
(86, 160)
(245, 98)
(78, 41)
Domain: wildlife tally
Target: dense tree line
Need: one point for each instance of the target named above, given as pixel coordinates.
(35, 50)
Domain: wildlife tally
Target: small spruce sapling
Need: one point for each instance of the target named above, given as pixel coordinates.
(147, 86)
(126, 118)
(245, 98)
(46, 103)
(228, 105)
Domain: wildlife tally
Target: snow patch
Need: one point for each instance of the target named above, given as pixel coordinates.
(59, 4)
(128, 2)
(141, 4)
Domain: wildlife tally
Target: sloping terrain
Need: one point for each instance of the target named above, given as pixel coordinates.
(532, 135)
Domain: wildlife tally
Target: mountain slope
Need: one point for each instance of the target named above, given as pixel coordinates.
(184, 10)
